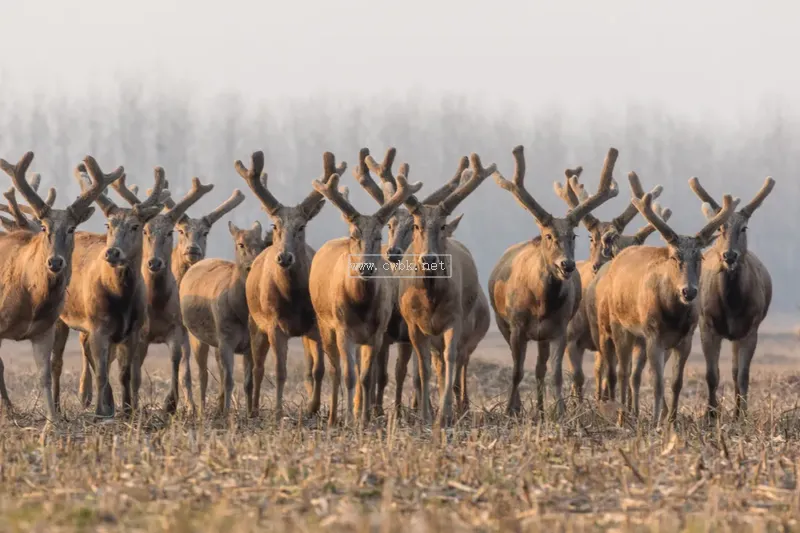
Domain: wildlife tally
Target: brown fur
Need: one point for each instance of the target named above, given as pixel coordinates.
(278, 287)
(534, 289)
(648, 300)
(354, 307)
(37, 268)
(736, 292)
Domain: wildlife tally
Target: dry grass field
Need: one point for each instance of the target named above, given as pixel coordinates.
(581, 473)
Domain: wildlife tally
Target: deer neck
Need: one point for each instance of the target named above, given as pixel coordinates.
(179, 265)
(121, 279)
(361, 290)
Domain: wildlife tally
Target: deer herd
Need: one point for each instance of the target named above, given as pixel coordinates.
(133, 286)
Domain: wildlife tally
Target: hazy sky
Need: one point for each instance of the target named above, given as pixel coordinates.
(691, 56)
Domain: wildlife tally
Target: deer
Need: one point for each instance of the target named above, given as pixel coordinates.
(579, 337)
(164, 323)
(20, 220)
(277, 288)
(535, 289)
(735, 295)
(354, 305)
(647, 300)
(215, 313)
(441, 290)
(106, 298)
(37, 268)
(400, 225)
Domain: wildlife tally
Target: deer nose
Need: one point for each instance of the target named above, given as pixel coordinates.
(395, 254)
(596, 267)
(155, 264)
(689, 293)
(113, 255)
(429, 259)
(193, 250)
(55, 264)
(568, 265)
(285, 259)
(730, 257)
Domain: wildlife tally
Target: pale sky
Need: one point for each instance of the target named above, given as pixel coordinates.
(690, 56)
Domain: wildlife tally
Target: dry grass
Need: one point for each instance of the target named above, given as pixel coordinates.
(488, 473)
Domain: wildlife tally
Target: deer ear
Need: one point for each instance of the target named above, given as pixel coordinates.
(451, 226)
(232, 228)
(314, 211)
(710, 241)
(257, 227)
(708, 211)
(86, 214)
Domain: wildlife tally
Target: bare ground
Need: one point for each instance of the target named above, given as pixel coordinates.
(582, 472)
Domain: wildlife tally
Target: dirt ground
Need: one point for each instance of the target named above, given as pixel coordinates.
(579, 472)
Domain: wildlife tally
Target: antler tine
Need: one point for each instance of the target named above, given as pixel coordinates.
(607, 174)
(154, 198)
(643, 233)
(517, 188)
(257, 182)
(19, 218)
(51, 197)
(313, 199)
(90, 171)
(728, 208)
(699, 190)
(605, 191)
(383, 170)
(17, 173)
(197, 191)
(404, 190)
(225, 207)
(565, 192)
(469, 184)
(329, 166)
(35, 180)
(759, 198)
(637, 191)
(362, 174)
(441, 194)
(579, 193)
(645, 207)
(331, 191)
(127, 194)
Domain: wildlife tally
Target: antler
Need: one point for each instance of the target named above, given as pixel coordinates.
(367, 164)
(127, 194)
(699, 190)
(728, 208)
(643, 233)
(564, 191)
(621, 222)
(645, 207)
(440, 194)
(606, 190)
(756, 202)
(329, 169)
(225, 207)
(517, 188)
(154, 196)
(90, 170)
(254, 180)
(20, 220)
(473, 177)
(198, 190)
(404, 190)
(17, 173)
(576, 194)
(331, 191)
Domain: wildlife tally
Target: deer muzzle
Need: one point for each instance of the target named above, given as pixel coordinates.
(689, 293)
(155, 265)
(285, 259)
(113, 256)
(56, 264)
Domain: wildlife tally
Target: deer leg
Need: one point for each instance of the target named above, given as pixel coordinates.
(259, 348)
(437, 361)
(519, 347)
(636, 376)
(99, 349)
(175, 345)
(381, 374)
(248, 381)
(680, 356)
(200, 351)
(743, 351)
(280, 346)
(329, 345)
(85, 386)
(57, 360)
(400, 371)
(186, 380)
(655, 356)
(599, 369)
(711, 344)
(314, 352)
(421, 344)
(575, 352)
(225, 357)
(541, 370)
(416, 394)
(451, 337)
(125, 362)
(42, 348)
(369, 352)
(7, 406)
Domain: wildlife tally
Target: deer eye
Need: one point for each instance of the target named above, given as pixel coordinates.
(744, 229)
(170, 234)
(107, 226)
(574, 237)
(180, 231)
(548, 237)
(241, 245)
(301, 228)
(416, 227)
(135, 227)
(71, 230)
(205, 234)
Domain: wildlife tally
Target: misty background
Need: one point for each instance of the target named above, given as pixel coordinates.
(679, 89)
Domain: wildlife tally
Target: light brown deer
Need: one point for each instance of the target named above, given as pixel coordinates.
(278, 286)
(648, 300)
(106, 298)
(401, 232)
(579, 335)
(441, 291)
(354, 305)
(164, 323)
(215, 313)
(534, 289)
(735, 294)
(36, 269)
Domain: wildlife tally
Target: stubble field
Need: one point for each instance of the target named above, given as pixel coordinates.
(579, 473)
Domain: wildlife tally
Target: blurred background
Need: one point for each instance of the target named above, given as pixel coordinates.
(681, 89)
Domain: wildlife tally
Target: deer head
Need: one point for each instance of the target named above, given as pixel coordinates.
(365, 230)
(686, 252)
(123, 226)
(158, 231)
(558, 234)
(401, 223)
(248, 243)
(57, 225)
(732, 244)
(288, 222)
